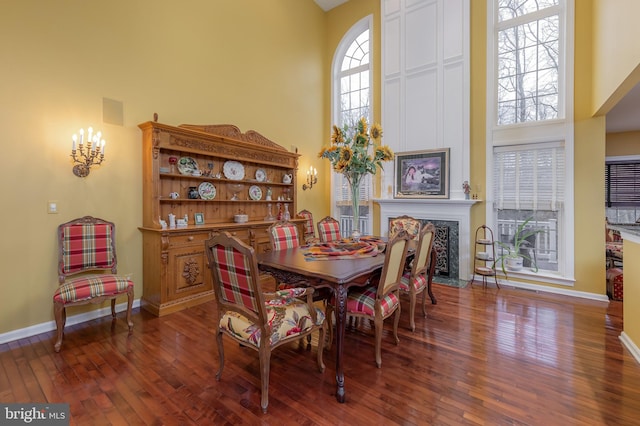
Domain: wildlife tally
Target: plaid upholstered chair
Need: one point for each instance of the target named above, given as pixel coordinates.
(260, 321)
(380, 298)
(87, 270)
(309, 235)
(418, 279)
(329, 230)
(284, 235)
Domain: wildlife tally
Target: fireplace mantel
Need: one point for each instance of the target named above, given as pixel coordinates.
(456, 210)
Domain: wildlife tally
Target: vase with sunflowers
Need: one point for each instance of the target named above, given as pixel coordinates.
(353, 154)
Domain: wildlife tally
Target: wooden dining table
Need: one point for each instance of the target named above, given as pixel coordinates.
(291, 265)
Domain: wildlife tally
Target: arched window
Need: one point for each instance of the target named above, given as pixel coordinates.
(351, 88)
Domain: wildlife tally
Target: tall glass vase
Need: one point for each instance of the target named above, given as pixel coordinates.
(354, 182)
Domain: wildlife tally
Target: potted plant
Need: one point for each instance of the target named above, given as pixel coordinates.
(513, 254)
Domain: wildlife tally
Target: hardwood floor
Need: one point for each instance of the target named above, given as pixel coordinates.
(481, 357)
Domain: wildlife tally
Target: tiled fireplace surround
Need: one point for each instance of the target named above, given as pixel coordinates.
(452, 219)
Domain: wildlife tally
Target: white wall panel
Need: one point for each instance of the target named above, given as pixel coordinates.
(425, 93)
(453, 17)
(421, 26)
(390, 7)
(421, 112)
(392, 112)
(392, 46)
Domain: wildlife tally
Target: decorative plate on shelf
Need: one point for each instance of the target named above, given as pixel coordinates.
(255, 193)
(261, 175)
(187, 165)
(233, 170)
(207, 191)
(484, 241)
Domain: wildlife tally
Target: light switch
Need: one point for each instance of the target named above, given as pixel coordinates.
(52, 207)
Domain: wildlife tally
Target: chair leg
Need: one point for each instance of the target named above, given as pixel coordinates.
(113, 309)
(61, 317)
(432, 269)
(396, 321)
(129, 307)
(321, 333)
(329, 316)
(412, 309)
(424, 303)
(220, 354)
(265, 361)
(378, 321)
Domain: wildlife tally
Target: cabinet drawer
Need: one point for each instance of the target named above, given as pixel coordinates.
(241, 233)
(187, 239)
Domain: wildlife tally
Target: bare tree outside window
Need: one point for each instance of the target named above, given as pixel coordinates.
(528, 49)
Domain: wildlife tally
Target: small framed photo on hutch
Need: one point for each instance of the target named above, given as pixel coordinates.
(422, 174)
(199, 217)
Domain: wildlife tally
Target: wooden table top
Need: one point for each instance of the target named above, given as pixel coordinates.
(334, 271)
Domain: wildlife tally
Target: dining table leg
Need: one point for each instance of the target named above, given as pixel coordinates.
(340, 296)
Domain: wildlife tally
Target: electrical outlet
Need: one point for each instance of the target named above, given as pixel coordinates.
(52, 207)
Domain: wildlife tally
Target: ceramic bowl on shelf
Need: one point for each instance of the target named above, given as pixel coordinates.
(482, 255)
(241, 218)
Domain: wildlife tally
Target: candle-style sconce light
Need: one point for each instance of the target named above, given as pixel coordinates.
(88, 154)
(312, 178)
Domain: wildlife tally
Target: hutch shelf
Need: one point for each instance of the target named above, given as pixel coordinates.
(207, 174)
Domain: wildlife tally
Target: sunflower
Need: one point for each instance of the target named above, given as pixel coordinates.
(376, 131)
(346, 155)
(337, 136)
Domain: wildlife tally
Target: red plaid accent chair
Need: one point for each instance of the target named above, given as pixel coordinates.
(329, 230)
(380, 298)
(284, 235)
(419, 277)
(309, 234)
(257, 320)
(87, 245)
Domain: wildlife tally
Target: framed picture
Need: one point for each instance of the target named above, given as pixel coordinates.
(199, 218)
(422, 174)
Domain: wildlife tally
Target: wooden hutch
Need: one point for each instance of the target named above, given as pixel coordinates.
(212, 172)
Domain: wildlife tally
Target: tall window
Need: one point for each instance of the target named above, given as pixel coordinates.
(352, 100)
(529, 141)
(528, 56)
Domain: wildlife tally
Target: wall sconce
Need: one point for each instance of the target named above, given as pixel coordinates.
(312, 178)
(88, 154)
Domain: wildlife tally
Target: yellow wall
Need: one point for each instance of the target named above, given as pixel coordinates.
(257, 64)
(589, 145)
(631, 291)
(623, 143)
(478, 120)
(616, 51)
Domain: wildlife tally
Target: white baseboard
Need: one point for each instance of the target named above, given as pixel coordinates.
(628, 343)
(71, 320)
(555, 290)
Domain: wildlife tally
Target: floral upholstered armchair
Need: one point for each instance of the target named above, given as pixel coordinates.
(257, 320)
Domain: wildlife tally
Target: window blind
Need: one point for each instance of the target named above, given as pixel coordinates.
(529, 177)
(622, 184)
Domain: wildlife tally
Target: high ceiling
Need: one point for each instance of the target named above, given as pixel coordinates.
(329, 4)
(625, 116)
